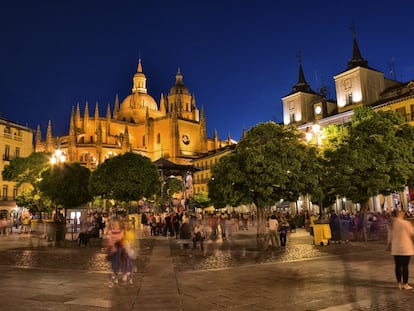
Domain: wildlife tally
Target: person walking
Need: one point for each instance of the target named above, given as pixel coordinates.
(114, 247)
(198, 235)
(273, 226)
(400, 242)
(283, 230)
(130, 244)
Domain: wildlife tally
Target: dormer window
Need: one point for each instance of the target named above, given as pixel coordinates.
(349, 100)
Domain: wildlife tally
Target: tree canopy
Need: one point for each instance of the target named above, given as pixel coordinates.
(125, 178)
(27, 170)
(66, 185)
(373, 156)
(269, 163)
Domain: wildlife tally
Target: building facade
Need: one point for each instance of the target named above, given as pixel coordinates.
(358, 85)
(204, 164)
(16, 141)
(174, 128)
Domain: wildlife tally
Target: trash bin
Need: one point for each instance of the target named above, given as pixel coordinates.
(60, 229)
(50, 231)
(321, 234)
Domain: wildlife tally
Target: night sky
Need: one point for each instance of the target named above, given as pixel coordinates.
(239, 58)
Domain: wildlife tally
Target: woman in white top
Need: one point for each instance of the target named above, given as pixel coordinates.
(400, 241)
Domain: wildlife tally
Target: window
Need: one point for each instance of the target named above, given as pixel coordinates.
(349, 100)
(412, 112)
(7, 152)
(14, 193)
(401, 111)
(143, 140)
(17, 152)
(158, 138)
(5, 188)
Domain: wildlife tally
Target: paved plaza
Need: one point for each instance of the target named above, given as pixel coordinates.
(227, 275)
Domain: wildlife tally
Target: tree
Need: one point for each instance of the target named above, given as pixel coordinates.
(269, 163)
(125, 178)
(66, 185)
(171, 186)
(27, 170)
(374, 156)
(201, 200)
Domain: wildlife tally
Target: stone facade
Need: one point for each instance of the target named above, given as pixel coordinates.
(174, 129)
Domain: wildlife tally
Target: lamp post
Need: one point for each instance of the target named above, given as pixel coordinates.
(58, 158)
(314, 135)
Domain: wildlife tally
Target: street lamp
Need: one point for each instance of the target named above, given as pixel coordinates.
(314, 133)
(58, 157)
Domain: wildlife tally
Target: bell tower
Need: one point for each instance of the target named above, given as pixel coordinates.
(358, 85)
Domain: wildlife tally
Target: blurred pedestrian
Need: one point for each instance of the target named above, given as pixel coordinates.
(229, 226)
(130, 243)
(400, 242)
(273, 226)
(114, 247)
(283, 230)
(199, 235)
(223, 227)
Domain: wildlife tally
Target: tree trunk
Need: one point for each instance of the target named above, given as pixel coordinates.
(363, 219)
(261, 229)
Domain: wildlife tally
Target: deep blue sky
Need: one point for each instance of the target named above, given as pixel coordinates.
(239, 58)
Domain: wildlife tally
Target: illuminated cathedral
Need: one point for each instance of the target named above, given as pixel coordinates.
(174, 129)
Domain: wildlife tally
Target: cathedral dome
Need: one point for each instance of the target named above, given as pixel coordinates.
(134, 107)
(179, 87)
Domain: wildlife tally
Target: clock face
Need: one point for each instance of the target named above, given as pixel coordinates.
(186, 139)
(318, 109)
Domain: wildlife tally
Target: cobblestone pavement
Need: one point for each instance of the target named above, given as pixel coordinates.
(227, 275)
(238, 251)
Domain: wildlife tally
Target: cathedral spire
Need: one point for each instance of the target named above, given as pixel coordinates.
(125, 140)
(179, 87)
(116, 107)
(49, 138)
(357, 60)
(216, 140)
(96, 111)
(229, 139)
(139, 80)
(38, 138)
(86, 113)
(163, 109)
(78, 116)
(72, 136)
(72, 121)
(108, 112)
(301, 85)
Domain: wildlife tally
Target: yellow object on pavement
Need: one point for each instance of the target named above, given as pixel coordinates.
(321, 234)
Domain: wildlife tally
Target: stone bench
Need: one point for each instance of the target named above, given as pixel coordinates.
(184, 243)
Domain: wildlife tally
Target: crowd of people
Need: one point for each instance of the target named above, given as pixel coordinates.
(183, 224)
